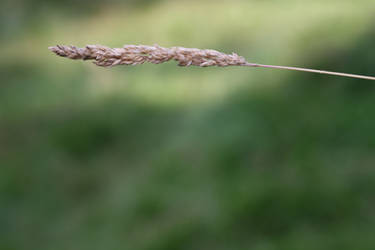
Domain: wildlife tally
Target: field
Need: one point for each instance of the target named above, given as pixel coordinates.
(160, 157)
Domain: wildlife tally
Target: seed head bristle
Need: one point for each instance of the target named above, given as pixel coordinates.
(139, 54)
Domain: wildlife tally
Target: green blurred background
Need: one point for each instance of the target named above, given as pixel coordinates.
(160, 157)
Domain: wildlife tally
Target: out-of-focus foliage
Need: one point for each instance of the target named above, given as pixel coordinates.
(163, 157)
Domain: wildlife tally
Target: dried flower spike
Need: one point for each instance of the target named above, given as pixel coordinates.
(139, 54)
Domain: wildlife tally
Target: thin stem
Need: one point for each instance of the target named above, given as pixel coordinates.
(310, 70)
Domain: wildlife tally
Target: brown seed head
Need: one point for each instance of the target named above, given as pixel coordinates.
(139, 54)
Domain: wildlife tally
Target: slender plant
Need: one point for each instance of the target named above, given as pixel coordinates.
(139, 54)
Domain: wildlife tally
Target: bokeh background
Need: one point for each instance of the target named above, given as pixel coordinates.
(160, 157)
